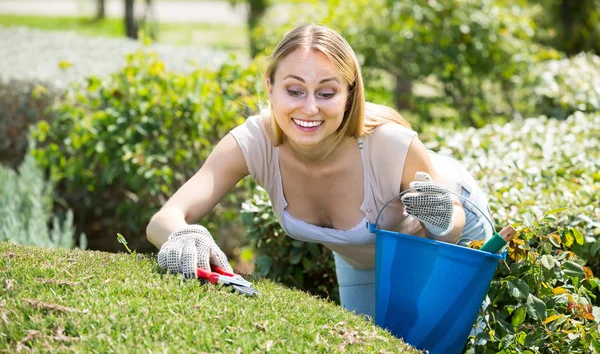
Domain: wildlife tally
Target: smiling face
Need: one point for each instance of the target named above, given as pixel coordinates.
(308, 97)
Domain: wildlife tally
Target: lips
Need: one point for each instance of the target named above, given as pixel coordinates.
(307, 124)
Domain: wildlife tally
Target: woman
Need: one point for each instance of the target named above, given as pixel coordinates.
(330, 162)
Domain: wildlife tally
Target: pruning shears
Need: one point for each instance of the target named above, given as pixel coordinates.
(220, 276)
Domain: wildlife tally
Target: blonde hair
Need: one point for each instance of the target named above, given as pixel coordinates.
(361, 117)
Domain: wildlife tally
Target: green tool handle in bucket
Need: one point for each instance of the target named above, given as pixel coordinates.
(493, 245)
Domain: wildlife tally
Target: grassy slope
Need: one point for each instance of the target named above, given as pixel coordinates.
(88, 301)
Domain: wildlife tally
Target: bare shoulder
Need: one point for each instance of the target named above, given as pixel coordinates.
(390, 134)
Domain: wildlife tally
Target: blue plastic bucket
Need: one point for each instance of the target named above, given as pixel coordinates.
(428, 292)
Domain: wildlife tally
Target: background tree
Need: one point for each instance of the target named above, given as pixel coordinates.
(256, 10)
(100, 10)
(146, 22)
(571, 26)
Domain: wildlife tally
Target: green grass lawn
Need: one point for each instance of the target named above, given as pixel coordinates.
(218, 36)
(59, 300)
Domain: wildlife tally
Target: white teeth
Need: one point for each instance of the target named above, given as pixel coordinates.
(307, 124)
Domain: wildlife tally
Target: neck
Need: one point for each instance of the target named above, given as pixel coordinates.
(322, 154)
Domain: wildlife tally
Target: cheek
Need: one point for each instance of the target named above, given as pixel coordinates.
(336, 105)
(281, 101)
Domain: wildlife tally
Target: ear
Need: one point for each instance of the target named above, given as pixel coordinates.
(269, 86)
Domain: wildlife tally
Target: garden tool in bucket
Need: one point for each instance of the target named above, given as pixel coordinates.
(429, 292)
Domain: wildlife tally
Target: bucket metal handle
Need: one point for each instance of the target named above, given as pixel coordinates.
(493, 245)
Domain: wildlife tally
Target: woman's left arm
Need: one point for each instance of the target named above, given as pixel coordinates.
(418, 160)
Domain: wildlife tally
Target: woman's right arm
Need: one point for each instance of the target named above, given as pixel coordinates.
(224, 167)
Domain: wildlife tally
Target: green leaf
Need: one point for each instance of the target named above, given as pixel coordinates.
(296, 256)
(518, 288)
(518, 316)
(555, 211)
(536, 308)
(596, 345)
(521, 336)
(528, 219)
(568, 239)
(573, 270)
(578, 236)
(547, 261)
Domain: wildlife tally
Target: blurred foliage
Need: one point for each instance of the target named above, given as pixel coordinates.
(18, 110)
(568, 85)
(571, 26)
(30, 83)
(255, 12)
(473, 52)
(542, 298)
(121, 145)
(303, 265)
(27, 213)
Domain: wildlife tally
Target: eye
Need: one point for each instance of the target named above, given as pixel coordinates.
(294, 93)
(326, 95)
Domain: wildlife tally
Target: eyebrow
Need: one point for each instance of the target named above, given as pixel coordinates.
(333, 78)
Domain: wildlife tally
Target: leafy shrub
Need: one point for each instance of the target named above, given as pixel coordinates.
(67, 58)
(121, 145)
(567, 85)
(19, 109)
(26, 209)
(303, 265)
(533, 166)
(542, 298)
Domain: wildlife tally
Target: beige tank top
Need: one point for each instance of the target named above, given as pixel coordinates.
(384, 153)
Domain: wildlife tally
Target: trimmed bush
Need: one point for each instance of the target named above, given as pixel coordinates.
(121, 145)
(26, 209)
(67, 57)
(62, 301)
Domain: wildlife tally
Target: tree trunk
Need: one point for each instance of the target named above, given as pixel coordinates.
(100, 9)
(256, 11)
(131, 28)
(403, 93)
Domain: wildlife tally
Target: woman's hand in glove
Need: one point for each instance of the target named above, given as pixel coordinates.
(190, 248)
(430, 203)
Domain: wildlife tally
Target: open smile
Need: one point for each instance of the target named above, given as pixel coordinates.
(308, 124)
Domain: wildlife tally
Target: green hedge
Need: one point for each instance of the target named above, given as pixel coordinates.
(67, 58)
(534, 166)
(121, 145)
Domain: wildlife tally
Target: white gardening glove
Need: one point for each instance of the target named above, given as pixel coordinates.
(190, 248)
(430, 203)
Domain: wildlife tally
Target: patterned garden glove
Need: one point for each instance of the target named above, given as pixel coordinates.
(190, 248)
(430, 203)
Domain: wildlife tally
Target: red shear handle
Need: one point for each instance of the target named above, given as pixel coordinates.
(222, 271)
(210, 276)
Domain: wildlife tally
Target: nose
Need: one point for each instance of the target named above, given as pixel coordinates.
(309, 107)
